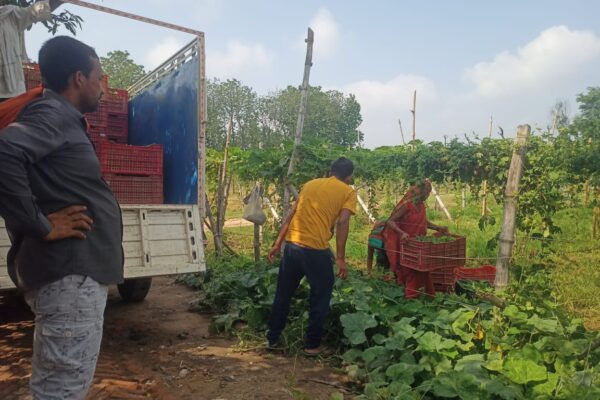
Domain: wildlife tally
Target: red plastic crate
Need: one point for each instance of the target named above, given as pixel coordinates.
(444, 279)
(426, 256)
(97, 135)
(130, 189)
(116, 158)
(97, 119)
(115, 101)
(33, 77)
(483, 273)
(117, 127)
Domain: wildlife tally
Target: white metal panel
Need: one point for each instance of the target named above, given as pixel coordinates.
(157, 240)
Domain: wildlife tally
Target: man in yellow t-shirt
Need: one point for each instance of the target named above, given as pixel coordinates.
(307, 231)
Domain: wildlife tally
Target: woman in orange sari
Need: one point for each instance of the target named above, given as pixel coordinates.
(409, 220)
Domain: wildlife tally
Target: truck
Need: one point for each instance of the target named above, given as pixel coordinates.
(167, 107)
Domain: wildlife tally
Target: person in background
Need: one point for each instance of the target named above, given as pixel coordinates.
(63, 220)
(307, 231)
(408, 220)
(14, 20)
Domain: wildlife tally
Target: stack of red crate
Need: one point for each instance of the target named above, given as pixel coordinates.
(33, 78)
(111, 119)
(134, 173)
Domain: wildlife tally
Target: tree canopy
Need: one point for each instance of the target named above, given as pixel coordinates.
(121, 69)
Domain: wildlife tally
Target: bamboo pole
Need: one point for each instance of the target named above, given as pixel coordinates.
(401, 132)
(439, 201)
(223, 186)
(363, 205)
(300, 122)
(273, 210)
(218, 241)
(484, 206)
(507, 236)
(414, 115)
(256, 243)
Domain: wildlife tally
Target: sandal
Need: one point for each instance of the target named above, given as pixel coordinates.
(318, 352)
(274, 346)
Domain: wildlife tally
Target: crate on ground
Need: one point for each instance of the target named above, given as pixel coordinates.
(116, 158)
(444, 279)
(428, 256)
(483, 273)
(117, 127)
(131, 189)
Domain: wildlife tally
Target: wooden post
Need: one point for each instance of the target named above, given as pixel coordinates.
(223, 186)
(507, 236)
(300, 122)
(414, 116)
(484, 206)
(273, 210)
(439, 201)
(256, 243)
(363, 205)
(217, 239)
(401, 132)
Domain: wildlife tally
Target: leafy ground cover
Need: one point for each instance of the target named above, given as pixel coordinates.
(448, 347)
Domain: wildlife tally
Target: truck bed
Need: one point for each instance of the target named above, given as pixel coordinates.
(157, 240)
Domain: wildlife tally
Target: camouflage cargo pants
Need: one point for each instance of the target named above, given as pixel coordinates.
(69, 314)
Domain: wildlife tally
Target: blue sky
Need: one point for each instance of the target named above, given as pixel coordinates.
(468, 60)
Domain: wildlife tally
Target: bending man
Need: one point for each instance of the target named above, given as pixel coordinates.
(307, 231)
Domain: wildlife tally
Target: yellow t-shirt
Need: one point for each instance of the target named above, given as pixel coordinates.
(319, 205)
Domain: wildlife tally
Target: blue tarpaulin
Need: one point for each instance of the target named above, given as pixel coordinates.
(166, 112)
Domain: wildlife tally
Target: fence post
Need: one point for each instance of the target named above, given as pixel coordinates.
(304, 89)
(507, 236)
(256, 243)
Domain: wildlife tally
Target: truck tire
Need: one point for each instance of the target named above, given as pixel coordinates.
(134, 290)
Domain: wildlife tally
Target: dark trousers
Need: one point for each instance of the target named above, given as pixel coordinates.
(317, 266)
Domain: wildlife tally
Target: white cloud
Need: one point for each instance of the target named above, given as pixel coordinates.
(383, 103)
(556, 54)
(327, 33)
(238, 58)
(162, 51)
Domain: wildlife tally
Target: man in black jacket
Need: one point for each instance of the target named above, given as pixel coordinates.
(64, 222)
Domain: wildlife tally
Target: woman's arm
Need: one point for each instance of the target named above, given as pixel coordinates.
(391, 222)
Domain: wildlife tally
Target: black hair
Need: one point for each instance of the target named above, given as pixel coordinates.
(62, 56)
(342, 168)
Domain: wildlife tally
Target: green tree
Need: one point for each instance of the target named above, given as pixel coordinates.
(584, 135)
(121, 69)
(67, 19)
(330, 115)
(232, 99)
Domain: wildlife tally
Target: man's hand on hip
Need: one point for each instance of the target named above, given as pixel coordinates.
(70, 222)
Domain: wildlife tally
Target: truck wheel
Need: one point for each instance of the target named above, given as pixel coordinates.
(134, 290)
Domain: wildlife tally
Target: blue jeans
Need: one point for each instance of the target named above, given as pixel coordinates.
(69, 314)
(317, 266)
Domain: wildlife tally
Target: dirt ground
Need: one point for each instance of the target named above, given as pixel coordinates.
(157, 349)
